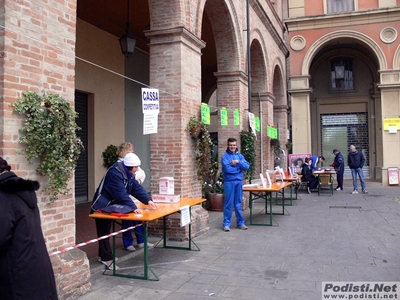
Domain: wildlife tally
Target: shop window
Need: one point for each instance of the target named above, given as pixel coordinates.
(338, 6)
(342, 78)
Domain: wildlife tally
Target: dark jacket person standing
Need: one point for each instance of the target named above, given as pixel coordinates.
(25, 267)
(338, 164)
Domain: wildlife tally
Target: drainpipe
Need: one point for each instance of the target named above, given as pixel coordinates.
(248, 54)
(261, 133)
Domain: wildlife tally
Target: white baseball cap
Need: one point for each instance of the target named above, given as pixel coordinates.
(131, 160)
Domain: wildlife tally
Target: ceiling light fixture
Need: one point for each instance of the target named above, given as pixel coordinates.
(127, 41)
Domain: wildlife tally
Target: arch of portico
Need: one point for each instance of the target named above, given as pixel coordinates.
(381, 103)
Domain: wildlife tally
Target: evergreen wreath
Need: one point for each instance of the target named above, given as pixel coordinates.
(49, 134)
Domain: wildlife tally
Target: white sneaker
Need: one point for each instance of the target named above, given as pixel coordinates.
(100, 261)
(109, 264)
(338, 189)
(226, 228)
(149, 245)
(130, 248)
(354, 192)
(365, 192)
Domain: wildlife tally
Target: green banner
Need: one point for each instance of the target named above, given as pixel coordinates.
(224, 116)
(205, 114)
(236, 117)
(274, 133)
(269, 134)
(257, 122)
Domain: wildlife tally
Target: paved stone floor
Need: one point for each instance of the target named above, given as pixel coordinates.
(342, 237)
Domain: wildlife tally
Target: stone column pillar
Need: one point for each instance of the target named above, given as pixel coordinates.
(390, 101)
(301, 116)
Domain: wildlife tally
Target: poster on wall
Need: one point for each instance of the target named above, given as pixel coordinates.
(296, 161)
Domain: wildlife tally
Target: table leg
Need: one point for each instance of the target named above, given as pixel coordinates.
(251, 208)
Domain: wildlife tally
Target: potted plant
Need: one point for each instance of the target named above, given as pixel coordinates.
(194, 127)
(110, 156)
(289, 145)
(247, 148)
(215, 193)
(276, 148)
(49, 135)
(204, 153)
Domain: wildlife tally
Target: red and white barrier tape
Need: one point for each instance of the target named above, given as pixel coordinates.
(94, 240)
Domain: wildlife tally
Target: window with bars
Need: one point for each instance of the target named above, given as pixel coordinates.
(338, 6)
(342, 78)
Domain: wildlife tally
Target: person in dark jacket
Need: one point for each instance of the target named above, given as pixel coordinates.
(26, 271)
(308, 175)
(356, 161)
(338, 164)
(118, 183)
(233, 166)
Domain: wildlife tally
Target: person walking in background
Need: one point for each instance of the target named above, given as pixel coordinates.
(356, 161)
(316, 162)
(26, 271)
(338, 164)
(140, 176)
(233, 167)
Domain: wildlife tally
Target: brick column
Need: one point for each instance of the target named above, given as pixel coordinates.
(232, 94)
(175, 69)
(38, 54)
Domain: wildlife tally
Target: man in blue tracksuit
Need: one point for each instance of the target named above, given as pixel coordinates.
(233, 165)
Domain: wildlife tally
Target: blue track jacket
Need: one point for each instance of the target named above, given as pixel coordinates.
(232, 173)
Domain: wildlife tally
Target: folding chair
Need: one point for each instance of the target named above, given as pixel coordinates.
(302, 186)
(325, 184)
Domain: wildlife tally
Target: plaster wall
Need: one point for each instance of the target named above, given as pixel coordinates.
(106, 93)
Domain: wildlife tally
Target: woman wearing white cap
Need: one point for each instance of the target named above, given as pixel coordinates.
(117, 186)
(140, 176)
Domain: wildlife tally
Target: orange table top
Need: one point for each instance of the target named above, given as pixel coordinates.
(164, 209)
(293, 178)
(275, 187)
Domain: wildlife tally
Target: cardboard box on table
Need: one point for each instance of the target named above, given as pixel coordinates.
(166, 191)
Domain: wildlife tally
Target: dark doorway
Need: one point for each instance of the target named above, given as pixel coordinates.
(81, 171)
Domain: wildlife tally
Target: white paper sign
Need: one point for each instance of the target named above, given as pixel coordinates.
(252, 123)
(150, 100)
(150, 123)
(268, 178)
(151, 108)
(263, 180)
(185, 215)
(392, 129)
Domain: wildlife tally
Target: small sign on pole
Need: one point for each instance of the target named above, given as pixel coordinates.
(393, 176)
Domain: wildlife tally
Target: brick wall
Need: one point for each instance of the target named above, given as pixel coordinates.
(39, 56)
